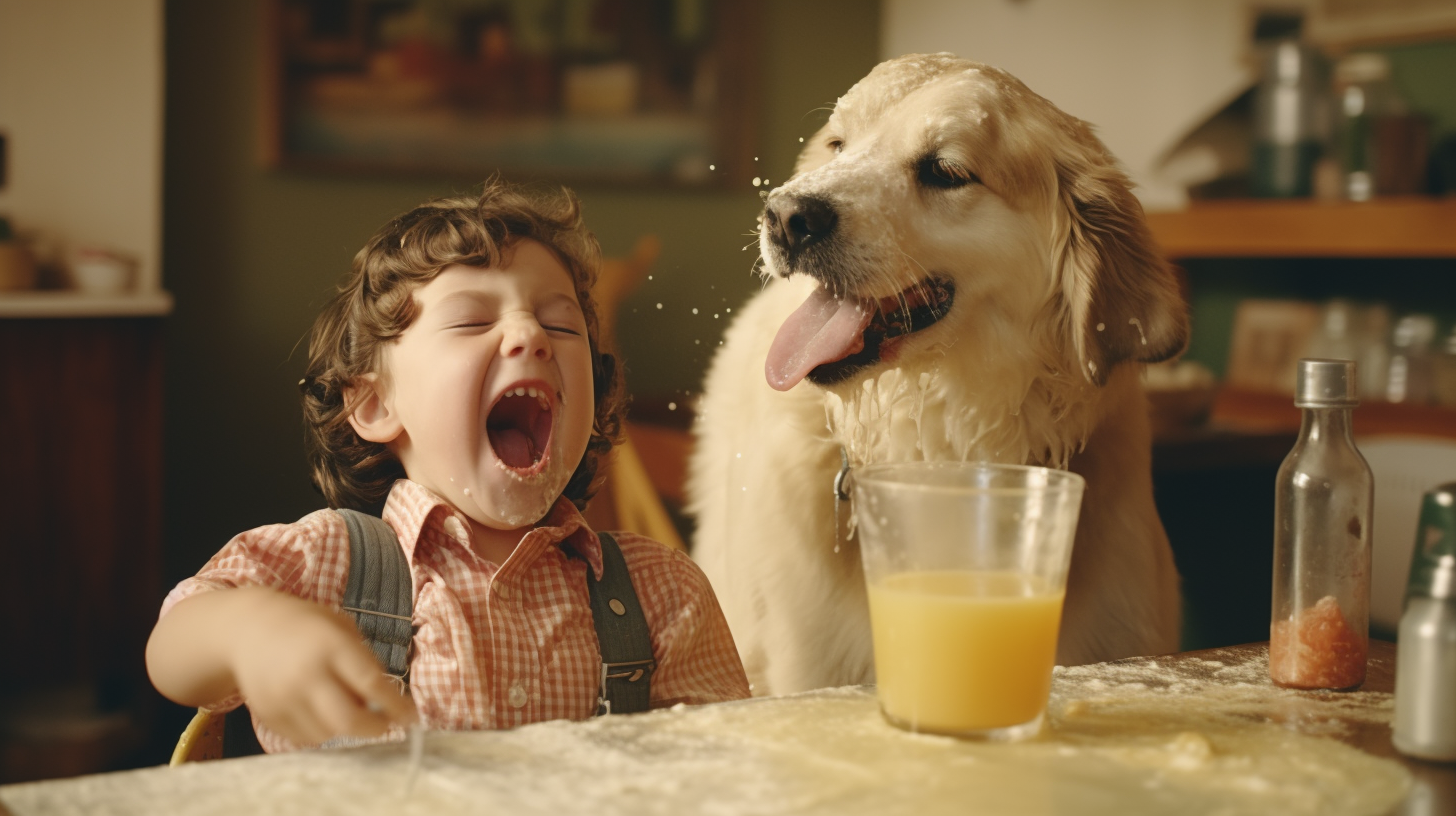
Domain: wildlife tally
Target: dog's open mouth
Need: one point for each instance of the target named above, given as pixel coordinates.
(828, 339)
(519, 428)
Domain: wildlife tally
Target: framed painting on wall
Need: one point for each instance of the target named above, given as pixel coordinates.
(646, 92)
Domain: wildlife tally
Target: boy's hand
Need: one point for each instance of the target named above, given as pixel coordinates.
(305, 673)
(301, 666)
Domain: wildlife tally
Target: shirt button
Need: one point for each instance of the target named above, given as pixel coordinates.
(516, 696)
(455, 529)
(502, 590)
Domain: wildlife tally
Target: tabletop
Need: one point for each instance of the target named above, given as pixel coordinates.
(1194, 733)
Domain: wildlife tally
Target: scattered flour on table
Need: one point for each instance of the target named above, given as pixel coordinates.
(1207, 737)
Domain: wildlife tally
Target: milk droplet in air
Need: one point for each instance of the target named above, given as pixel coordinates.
(757, 181)
(1101, 326)
(672, 406)
(695, 311)
(712, 167)
(649, 277)
(659, 305)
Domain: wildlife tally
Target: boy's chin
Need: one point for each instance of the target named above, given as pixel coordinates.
(507, 500)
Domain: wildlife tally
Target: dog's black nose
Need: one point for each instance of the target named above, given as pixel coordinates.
(795, 222)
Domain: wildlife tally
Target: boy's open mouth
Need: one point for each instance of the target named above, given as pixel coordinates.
(829, 339)
(519, 428)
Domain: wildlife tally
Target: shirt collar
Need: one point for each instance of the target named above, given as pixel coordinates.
(412, 508)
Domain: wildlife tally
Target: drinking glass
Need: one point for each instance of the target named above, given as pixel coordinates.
(966, 566)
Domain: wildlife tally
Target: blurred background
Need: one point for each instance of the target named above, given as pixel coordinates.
(182, 184)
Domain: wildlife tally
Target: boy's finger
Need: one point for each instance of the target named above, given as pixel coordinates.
(344, 714)
(298, 726)
(362, 675)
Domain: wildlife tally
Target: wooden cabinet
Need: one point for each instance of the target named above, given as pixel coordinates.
(80, 540)
(1404, 227)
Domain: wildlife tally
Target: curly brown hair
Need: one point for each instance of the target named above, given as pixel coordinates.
(375, 305)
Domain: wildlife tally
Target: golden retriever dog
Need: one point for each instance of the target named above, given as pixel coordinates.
(957, 270)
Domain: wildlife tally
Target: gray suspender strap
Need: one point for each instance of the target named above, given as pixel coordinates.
(626, 644)
(379, 597)
(380, 592)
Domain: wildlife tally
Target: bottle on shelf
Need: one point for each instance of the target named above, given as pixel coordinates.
(1291, 120)
(1443, 371)
(1383, 144)
(1323, 498)
(1409, 374)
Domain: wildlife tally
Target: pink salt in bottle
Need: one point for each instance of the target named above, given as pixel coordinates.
(1320, 617)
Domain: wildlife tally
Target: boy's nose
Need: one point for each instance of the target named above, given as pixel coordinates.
(525, 338)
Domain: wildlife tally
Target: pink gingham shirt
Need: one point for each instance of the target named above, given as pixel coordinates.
(497, 646)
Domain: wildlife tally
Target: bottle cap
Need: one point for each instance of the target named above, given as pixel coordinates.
(1433, 561)
(1325, 384)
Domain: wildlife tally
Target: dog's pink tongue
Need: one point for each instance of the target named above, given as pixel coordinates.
(822, 330)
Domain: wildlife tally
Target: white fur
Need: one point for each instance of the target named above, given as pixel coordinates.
(1059, 295)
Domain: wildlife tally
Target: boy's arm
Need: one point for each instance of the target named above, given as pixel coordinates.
(300, 666)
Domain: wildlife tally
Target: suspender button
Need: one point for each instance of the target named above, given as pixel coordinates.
(617, 606)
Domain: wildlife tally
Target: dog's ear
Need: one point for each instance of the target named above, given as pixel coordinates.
(1124, 301)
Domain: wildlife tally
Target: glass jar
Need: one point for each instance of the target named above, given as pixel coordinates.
(1365, 95)
(1443, 372)
(1409, 373)
(1323, 497)
(1291, 120)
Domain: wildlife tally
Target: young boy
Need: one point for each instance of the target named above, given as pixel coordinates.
(456, 378)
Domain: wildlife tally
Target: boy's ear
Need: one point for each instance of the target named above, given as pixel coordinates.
(373, 417)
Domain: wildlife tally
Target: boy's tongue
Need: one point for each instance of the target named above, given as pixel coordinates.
(822, 330)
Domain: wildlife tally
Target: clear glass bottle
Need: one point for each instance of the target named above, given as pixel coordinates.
(1408, 377)
(1320, 616)
(1443, 372)
(1366, 93)
(1291, 120)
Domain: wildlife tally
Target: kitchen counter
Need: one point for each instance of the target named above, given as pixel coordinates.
(1201, 732)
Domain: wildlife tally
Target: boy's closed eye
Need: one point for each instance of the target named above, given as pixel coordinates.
(562, 316)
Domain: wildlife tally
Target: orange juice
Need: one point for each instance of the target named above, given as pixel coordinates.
(964, 651)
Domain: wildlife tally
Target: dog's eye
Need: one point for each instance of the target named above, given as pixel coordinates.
(837, 145)
(933, 171)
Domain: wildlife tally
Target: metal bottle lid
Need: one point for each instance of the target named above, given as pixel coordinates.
(1433, 562)
(1325, 384)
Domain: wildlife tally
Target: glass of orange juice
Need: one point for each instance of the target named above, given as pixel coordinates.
(966, 565)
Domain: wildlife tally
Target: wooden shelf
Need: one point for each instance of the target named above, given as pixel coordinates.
(1406, 227)
(1262, 412)
(70, 303)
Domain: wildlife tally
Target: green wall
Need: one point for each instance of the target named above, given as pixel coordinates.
(250, 254)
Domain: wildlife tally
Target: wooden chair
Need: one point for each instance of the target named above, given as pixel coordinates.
(213, 736)
(202, 739)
